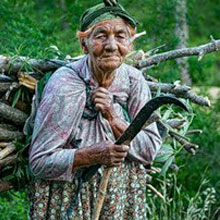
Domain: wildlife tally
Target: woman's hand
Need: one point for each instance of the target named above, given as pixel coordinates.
(104, 153)
(103, 101)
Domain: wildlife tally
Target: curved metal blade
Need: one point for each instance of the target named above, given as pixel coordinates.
(145, 113)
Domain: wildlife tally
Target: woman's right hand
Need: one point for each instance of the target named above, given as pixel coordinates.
(104, 153)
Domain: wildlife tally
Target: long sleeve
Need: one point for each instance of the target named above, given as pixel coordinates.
(147, 143)
(51, 157)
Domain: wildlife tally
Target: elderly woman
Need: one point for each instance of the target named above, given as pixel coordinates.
(85, 107)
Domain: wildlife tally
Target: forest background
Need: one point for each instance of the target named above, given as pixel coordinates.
(31, 27)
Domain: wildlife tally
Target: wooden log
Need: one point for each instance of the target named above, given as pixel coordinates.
(3, 144)
(4, 63)
(27, 81)
(10, 148)
(4, 87)
(12, 114)
(6, 135)
(5, 186)
(8, 127)
(10, 160)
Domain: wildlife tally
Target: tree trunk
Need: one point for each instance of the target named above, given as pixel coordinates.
(182, 35)
(65, 24)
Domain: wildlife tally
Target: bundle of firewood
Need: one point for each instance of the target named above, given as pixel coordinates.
(20, 75)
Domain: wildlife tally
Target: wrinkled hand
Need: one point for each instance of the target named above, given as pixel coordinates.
(103, 101)
(103, 153)
(109, 154)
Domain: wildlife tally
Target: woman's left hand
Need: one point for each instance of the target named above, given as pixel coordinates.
(103, 101)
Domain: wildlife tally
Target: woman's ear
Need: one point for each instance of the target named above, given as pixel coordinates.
(84, 46)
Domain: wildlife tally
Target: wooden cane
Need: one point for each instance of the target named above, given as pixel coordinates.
(102, 192)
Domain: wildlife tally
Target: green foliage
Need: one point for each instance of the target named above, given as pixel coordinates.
(178, 204)
(208, 154)
(14, 205)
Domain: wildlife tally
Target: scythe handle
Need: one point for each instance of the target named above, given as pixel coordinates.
(102, 192)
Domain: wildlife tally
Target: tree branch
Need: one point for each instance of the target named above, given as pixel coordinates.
(10, 160)
(8, 65)
(181, 91)
(200, 51)
(6, 135)
(190, 147)
(4, 87)
(12, 114)
(8, 127)
(7, 150)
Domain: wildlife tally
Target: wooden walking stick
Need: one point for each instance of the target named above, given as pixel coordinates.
(140, 121)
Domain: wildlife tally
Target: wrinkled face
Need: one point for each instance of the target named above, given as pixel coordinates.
(108, 44)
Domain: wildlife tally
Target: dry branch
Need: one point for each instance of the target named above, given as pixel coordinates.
(12, 114)
(4, 87)
(7, 150)
(3, 144)
(168, 88)
(27, 80)
(8, 127)
(6, 135)
(190, 147)
(17, 65)
(196, 99)
(200, 51)
(195, 131)
(181, 91)
(9, 161)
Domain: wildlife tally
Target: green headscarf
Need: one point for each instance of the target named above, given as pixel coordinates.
(110, 9)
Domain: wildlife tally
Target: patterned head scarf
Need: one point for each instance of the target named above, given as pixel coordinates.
(110, 9)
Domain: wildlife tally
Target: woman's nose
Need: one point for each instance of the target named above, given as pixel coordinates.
(111, 44)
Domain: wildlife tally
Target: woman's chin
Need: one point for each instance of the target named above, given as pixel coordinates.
(110, 66)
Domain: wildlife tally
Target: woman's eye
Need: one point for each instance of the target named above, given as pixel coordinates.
(101, 36)
(121, 36)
